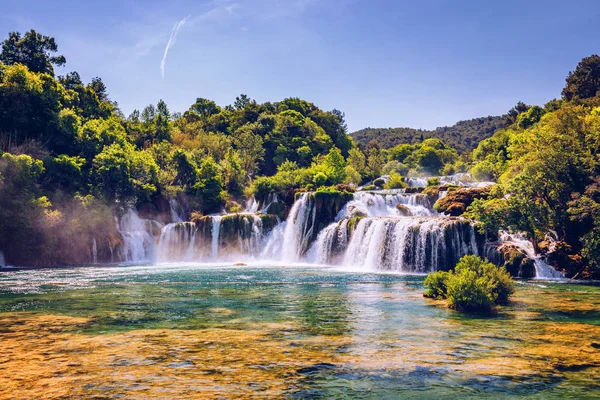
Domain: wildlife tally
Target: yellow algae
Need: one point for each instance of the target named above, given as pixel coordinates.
(42, 359)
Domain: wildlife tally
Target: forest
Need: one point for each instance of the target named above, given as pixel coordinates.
(71, 160)
(464, 136)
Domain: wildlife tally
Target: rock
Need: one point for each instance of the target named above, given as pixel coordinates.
(403, 210)
(511, 257)
(564, 258)
(456, 201)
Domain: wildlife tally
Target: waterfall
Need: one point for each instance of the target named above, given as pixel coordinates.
(406, 244)
(216, 230)
(330, 243)
(298, 229)
(416, 182)
(94, 251)
(542, 269)
(174, 206)
(138, 237)
(385, 204)
(2, 260)
(177, 242)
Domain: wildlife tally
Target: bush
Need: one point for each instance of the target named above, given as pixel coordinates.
(436, 284)
(435, 181)
(395, 182)
(320, 179)
(475, 285)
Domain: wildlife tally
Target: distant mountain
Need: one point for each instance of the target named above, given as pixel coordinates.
(463, 136)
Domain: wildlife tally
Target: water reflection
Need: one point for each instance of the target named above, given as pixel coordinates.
(281, 332)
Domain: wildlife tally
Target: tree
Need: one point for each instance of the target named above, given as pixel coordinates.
(209, 187)
(242, 101)
(513, 113)
(33, 50)
(250, 148)
(335, 165)
(584, 82)
(375, 162)
(205, 108)
(357, 160)
(530, 117)
(124, 173)
(71, 80)
(99, 88)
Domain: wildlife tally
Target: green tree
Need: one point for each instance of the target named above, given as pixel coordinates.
(209, 187)
(584, 82)
(250, 148)
(204, 107)
(33, 50)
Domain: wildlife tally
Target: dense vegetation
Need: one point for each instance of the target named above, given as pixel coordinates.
(463, 136)
(474, 285)
(547, 164)
(70, 161)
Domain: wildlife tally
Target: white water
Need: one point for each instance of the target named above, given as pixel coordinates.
(542, 269)
(384, 204)
(460, 179)
(138, 238)
(94, 251)
(382, 239)
(298, 229)
(175, 208)
(216, 229)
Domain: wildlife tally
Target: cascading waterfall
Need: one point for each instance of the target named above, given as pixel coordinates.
(2, 260)
(217, 237)
(406, 244)
(299, 227)
(94, 251)
(177, 242)
(384, 230)
(542, 269)
(385, 204)
(174, 208)
(216, 230)
(138, 237)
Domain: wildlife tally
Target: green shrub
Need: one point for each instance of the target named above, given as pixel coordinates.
(475, 285)
(436, 284)
(435, 181)
(395, 182)
(320, 179)
(369, 187)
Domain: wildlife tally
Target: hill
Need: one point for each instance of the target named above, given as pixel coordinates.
(463, 136)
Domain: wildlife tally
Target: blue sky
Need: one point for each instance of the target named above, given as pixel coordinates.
(384, 63)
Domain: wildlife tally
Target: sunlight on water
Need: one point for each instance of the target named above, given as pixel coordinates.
(257, 330)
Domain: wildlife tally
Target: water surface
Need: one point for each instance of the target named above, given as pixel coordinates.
(264, 331)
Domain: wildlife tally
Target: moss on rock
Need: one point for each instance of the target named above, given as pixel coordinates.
(455, 202)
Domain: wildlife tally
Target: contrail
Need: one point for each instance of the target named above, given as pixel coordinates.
(170, 44)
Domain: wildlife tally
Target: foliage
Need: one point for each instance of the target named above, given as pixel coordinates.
(395, 181)
(474, 285)
(32, 50)
(584, 82)
(463, 136)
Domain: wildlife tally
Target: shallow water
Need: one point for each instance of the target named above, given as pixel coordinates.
(264, 331)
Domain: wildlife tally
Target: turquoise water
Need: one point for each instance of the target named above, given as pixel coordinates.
(293, 332)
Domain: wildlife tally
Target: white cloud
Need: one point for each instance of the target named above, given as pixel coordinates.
(171, 42)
